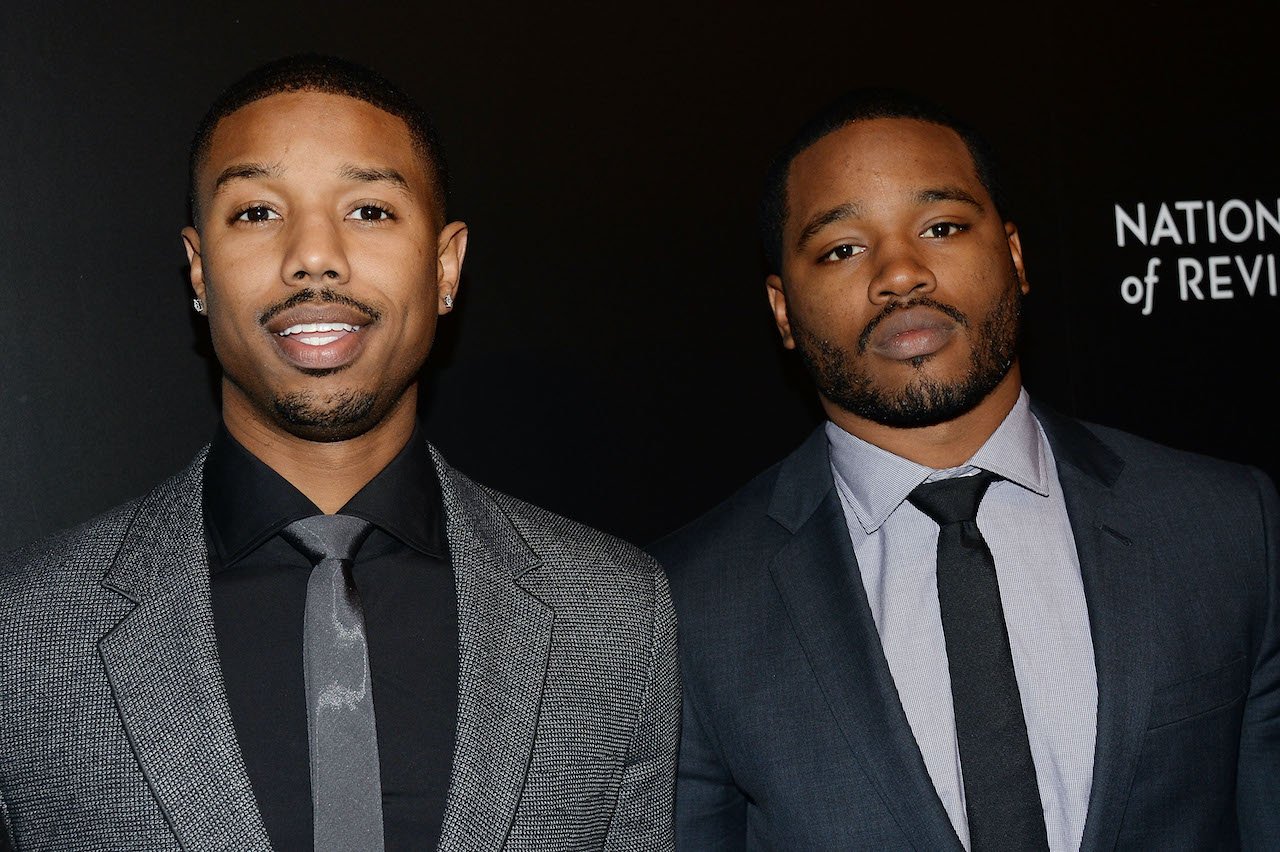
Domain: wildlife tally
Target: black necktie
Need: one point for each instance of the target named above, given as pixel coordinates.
(1001, 796)
(346, 790)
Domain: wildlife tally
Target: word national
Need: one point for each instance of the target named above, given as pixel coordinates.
(1235, 221)
(1204, 274)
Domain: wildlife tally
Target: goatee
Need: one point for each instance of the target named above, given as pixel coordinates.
(339, 417)
(923, 401)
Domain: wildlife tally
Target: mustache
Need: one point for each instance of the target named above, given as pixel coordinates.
(864, 339)
(325, 295)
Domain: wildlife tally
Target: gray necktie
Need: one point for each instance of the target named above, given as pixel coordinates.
(346, 791)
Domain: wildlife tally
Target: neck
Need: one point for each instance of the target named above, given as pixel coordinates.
(943, 445)
(328, 473)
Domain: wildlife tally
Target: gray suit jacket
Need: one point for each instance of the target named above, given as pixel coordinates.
(794, 737)
(115, 732)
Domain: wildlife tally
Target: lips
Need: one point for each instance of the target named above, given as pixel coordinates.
(910, 333)
(319, 337)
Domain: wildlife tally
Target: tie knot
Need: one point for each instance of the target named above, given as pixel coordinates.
(327, 536)
(953, 500)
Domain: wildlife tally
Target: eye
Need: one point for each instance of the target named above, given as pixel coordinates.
(371, 213)
(256, 213)
(841, 252)
(943, 229)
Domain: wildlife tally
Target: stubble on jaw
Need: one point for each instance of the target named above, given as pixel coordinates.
(923, 401)
(336, 417)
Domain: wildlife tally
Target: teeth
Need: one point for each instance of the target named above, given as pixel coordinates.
(319, 341)
(312, 327)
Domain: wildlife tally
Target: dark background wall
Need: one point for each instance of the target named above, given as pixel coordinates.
(613, 357)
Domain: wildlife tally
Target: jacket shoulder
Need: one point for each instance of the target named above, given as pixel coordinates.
(607, 593)
(738, 524)
(69, 556)
(1208, 521)
(1159, 469)
(55, 569)
(556, 538)
(1137, 466)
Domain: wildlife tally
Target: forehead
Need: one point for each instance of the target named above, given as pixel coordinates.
(878, 157)
(308, 129)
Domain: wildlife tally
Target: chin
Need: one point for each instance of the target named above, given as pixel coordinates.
(927, 400)
(340, 417)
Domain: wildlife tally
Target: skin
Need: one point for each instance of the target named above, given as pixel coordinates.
(900, 276)
(317, 207)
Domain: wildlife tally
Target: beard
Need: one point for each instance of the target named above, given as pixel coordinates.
(322, 417)
(336, 417)
(924, 401)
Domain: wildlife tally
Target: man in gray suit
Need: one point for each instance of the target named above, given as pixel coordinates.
(953, 618)
(153, 693)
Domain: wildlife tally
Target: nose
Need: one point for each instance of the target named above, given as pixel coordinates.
(900, 274)
(315, 253)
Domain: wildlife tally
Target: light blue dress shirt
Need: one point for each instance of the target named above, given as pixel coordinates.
(1024, 520)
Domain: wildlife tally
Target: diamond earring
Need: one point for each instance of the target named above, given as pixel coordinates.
(448, 300)
(198, 305)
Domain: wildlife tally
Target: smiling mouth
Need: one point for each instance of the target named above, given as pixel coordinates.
(318, 333)
(320, 343)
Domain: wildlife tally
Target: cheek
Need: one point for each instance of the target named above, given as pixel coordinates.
(838, 315)
(837, 292)
(234, 347)
(237, 276)
(412, 303)
(404, 273)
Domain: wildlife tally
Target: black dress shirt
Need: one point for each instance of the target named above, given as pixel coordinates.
(403, 575)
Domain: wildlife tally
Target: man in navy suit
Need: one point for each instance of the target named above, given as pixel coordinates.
(1136, 644)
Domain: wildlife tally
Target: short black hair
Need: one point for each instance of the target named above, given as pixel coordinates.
(862, 105)
(313, 72)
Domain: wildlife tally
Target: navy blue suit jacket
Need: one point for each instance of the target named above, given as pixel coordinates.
(794, 737)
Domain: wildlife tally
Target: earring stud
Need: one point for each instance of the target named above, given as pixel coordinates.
(198, 305)
(448, 300)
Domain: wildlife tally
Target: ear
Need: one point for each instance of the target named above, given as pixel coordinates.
(191, 242)
(778, 302)
(1015, 252)
(451, 248)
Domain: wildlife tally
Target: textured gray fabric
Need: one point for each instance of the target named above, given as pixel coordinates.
(342, 732)
(114, 727)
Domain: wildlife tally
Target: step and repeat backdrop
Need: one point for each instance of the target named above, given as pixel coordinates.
(612, 356)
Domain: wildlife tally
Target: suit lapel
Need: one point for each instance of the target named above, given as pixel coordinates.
(818, 578)
(1118, 581)
(162, 662)
(504, 637)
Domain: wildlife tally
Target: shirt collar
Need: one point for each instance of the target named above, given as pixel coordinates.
(404, 499)
(875, 482)
(246, 502)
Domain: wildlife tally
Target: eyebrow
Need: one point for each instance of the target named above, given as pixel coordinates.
(947, 193)
(848, 210)
(363, 174)
(366, 174)
(244, 171)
